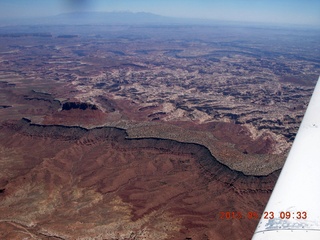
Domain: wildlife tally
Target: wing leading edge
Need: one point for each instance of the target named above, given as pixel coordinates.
(293, 210)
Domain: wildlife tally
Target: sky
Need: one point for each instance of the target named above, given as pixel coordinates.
(259, 11)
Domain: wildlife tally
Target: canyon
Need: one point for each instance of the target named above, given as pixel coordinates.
(144, 131)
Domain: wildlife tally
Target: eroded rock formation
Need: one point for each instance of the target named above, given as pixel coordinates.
(61, 182)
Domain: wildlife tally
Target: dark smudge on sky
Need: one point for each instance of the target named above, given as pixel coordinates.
(77, 5)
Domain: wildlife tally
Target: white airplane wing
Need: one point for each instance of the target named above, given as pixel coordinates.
(293, 210)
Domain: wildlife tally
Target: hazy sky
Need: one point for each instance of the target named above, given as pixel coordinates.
(272, 11)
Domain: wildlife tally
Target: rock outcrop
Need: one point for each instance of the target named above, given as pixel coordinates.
(62, 182)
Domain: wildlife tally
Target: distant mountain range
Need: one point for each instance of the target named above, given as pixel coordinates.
(117, 18)
(109, 18)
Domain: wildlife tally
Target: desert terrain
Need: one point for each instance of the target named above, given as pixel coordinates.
(147, 132)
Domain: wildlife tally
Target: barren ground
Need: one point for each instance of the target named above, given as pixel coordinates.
(147, 133)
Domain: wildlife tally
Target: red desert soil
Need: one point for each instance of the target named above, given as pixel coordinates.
(59, 182)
